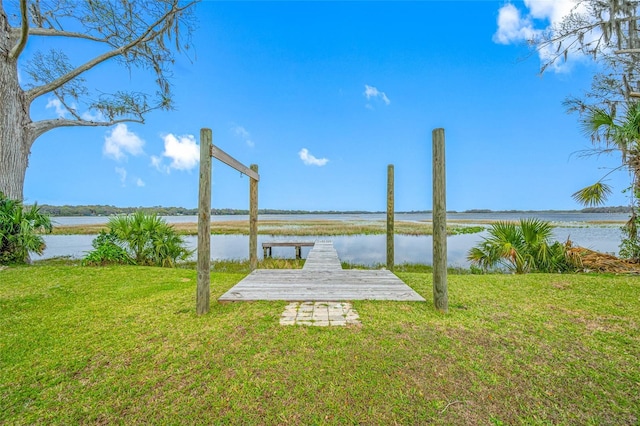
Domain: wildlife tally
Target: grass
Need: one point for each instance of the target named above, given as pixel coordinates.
(243, 266)
(292, 228)
(123, 345)
(407, 267)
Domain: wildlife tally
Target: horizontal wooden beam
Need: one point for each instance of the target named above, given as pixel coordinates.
(233, 163)
(289, 244)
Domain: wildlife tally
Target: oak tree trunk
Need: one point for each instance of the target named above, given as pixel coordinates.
(15, 135)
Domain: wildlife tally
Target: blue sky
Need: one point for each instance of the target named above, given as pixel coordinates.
(324, 95)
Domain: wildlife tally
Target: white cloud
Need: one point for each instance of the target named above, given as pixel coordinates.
(310, 160)
(122, 173)
(140, 182)
(553, 10)
(121, 142)
(373, 92)
(55, 103)
(183, 151)
(242, 133)
(512, 28)
(157, 162)
(539, 16)
(92, 116)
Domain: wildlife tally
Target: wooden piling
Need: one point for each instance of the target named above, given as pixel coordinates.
(390, 219)
(253, 220)
(440, 292)
(204, 223)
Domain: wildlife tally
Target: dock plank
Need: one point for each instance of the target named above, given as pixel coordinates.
(322, 257)
(321, 279)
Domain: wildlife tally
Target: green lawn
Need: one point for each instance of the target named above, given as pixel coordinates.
(123, 345)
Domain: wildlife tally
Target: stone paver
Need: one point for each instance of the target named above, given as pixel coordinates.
(319, 314)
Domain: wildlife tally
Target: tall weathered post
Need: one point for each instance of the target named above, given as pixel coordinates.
(440, 292)
(204, 223)
(390, 219)
(253, 219)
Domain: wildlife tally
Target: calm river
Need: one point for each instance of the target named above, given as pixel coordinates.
(369, 249)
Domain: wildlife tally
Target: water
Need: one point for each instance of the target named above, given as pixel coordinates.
(572, 219)
(367, 249)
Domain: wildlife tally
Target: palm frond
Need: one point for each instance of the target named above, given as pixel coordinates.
(601, 117)
(598, 121)
(592, 195)
(535, 231)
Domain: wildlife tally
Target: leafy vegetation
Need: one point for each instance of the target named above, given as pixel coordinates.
(630, 244)
(140, 239)
(606, 31)
(107, 250)
(612, 132)
(521, 248)
(123, 345)
(19, 227)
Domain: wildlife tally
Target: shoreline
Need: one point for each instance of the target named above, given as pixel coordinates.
(328, 227)
(99, 210)
(305, 228)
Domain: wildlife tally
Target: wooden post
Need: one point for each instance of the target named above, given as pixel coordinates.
(253, 220)
(390, 218)
(440, 293)
(204, 223)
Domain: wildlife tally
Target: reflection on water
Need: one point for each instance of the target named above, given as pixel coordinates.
(75, 246)
(360, 249)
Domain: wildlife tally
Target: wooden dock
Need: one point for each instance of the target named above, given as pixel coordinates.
(321, 279)
(266, 247)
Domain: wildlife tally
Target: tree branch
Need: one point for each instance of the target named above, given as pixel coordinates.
(72, 111)
(626, 51)
(148, 35)
(24, 32)
(37, 128)
(51, 32)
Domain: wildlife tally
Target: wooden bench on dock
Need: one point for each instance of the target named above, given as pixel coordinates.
(266, 247)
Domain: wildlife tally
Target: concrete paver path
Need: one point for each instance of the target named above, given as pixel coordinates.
(320, 314)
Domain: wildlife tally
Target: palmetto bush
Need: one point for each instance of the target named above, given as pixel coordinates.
(142, 239)
(19, 228)
(521, 248)
(107, 250)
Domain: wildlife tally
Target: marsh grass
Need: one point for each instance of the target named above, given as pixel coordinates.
(292, 228)
(106, 345)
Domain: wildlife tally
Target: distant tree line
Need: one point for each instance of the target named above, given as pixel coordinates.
(104, 210)
(617, 209)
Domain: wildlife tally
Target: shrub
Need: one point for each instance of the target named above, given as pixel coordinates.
(107, 251)
(630, 245)
(145, 239)
(19, 227)
(521, 248)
